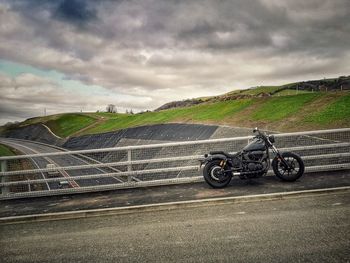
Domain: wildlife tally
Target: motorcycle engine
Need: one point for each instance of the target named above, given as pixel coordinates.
(255, 166)
(236, 162)
(254, 160)
(254, 156)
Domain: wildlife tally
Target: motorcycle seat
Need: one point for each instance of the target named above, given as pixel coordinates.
(223, 153)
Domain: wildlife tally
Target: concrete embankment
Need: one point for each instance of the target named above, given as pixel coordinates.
(154, 134)
(143, 135)
(132, 136)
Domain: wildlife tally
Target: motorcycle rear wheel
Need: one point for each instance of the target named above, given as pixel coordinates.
(295, 171)
(214, 175)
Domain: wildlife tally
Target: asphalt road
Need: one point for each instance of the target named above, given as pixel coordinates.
(29, 147)
(169, 193)
(308, 229)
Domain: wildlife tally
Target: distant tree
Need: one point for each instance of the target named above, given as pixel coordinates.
(111, 108)
(131, 112)
(126, 111)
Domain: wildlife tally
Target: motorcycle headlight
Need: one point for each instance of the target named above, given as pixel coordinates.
(272, 138)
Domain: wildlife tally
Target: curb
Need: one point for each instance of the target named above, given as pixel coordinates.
(168, 206)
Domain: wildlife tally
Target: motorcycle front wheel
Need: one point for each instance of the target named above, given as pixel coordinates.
(215, 176)
(293, 172)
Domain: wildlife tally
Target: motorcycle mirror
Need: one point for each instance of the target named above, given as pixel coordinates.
(255, 130)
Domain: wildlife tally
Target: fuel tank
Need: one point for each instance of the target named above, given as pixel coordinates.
(255, 145)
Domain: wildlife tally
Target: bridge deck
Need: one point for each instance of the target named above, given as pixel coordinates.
(162, 194)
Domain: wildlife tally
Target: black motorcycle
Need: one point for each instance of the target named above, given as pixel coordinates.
(252, 162)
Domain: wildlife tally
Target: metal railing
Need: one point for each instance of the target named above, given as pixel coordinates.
(67, 172)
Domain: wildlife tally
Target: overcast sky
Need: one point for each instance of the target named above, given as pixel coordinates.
(72, 55)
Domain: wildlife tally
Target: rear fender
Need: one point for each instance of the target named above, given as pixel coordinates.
(215, 157)
(212, 158)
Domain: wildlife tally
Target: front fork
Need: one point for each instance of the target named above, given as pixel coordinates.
(279, 156)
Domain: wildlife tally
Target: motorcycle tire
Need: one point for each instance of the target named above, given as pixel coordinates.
(292, 174)
(212, 174)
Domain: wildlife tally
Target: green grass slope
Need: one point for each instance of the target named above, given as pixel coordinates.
(62, 125)
(68, 124)
(337, 112)
(298, 111)
(203, 113)
(278, 108)
(261, 89)
(285, 113)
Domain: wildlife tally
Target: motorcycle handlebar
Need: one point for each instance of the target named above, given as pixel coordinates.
(257, 130)
(261, 135)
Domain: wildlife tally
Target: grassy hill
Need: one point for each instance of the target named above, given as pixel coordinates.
(289, 107)
(282, 113)
(310, 86)
(62, 125)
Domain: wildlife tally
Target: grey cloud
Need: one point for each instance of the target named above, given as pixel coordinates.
(209, 25)
(75, 11)
(10, 113)
(28, 95)
(165, 50)
(70, 11)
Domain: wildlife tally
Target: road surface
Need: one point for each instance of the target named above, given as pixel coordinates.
(308, 229)
(29, 147)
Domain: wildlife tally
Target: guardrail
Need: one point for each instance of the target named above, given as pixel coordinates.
(149, 165)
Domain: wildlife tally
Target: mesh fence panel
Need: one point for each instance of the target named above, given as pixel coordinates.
(133, 166)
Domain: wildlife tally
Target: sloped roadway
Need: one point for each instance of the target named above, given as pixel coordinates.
(305, 229)
(28, 147)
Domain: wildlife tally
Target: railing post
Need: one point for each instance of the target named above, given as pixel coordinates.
(129, 165)
(29, 188)
(4, 189)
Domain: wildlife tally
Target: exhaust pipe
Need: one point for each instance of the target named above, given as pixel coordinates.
(247, 173)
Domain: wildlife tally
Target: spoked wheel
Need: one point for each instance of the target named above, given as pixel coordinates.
(294, 170)
(215, 176)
